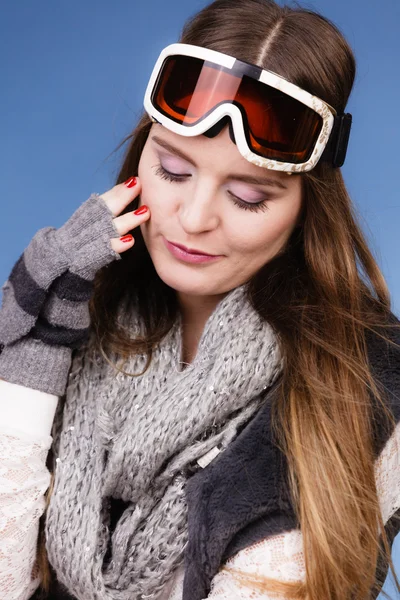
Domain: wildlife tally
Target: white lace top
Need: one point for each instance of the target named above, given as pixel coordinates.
(26, 416)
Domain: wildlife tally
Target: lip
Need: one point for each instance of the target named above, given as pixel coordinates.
(189, 254)
(190, 250)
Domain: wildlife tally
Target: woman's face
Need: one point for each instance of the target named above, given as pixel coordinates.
(212, 206)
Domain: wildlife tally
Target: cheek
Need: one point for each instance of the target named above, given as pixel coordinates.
(155, 192)
(263, 233)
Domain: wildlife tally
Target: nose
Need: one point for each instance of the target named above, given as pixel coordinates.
(198, 209)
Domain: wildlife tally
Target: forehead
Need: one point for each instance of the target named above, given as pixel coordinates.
(218, 155)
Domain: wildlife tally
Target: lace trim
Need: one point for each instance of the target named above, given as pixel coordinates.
(24, 480)
(280, 556)
(387, 475)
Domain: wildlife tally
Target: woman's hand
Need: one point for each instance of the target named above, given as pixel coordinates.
(60, 264)
(117, 198)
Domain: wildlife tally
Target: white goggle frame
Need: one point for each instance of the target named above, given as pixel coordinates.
(326, 111)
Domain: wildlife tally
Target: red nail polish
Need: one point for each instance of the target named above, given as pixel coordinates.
(140, 211)
(130, 182)
(126, 238)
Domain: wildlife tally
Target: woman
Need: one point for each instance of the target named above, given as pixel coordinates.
(249, 444)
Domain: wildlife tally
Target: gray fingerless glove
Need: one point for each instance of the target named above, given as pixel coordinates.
(45, 310)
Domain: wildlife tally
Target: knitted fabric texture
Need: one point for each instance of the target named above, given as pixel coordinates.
(45, 305)
(139, 439)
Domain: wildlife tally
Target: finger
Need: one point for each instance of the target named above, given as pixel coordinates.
(118, 197)
(125, 223)
(120, 246)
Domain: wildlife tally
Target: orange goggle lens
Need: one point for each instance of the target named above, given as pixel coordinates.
(276, 126)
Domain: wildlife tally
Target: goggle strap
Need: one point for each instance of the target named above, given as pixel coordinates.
(336, 148)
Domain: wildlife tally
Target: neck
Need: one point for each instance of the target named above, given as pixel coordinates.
(195, 311)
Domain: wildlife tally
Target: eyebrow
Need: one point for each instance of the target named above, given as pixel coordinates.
(244, 178)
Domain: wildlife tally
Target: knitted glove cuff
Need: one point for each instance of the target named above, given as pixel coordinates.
(31, 363)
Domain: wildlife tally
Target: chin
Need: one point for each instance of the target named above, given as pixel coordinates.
(197, 284)
(188, 279)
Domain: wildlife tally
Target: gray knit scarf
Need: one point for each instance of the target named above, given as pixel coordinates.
(138, 439)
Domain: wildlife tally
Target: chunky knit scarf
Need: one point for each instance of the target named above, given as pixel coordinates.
(138, 439)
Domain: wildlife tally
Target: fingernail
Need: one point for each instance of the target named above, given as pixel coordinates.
(130, 182)
(141, 210)
(126, 238)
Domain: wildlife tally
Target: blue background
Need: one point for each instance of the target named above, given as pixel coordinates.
(73, 75)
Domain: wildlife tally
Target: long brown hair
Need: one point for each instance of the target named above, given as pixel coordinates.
(322, 296)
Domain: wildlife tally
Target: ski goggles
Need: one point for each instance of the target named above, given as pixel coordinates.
(274, 123)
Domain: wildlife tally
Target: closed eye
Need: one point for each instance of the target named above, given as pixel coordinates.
(164, 174)
(181, 178)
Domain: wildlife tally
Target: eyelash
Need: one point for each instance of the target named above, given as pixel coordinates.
(252, 206)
